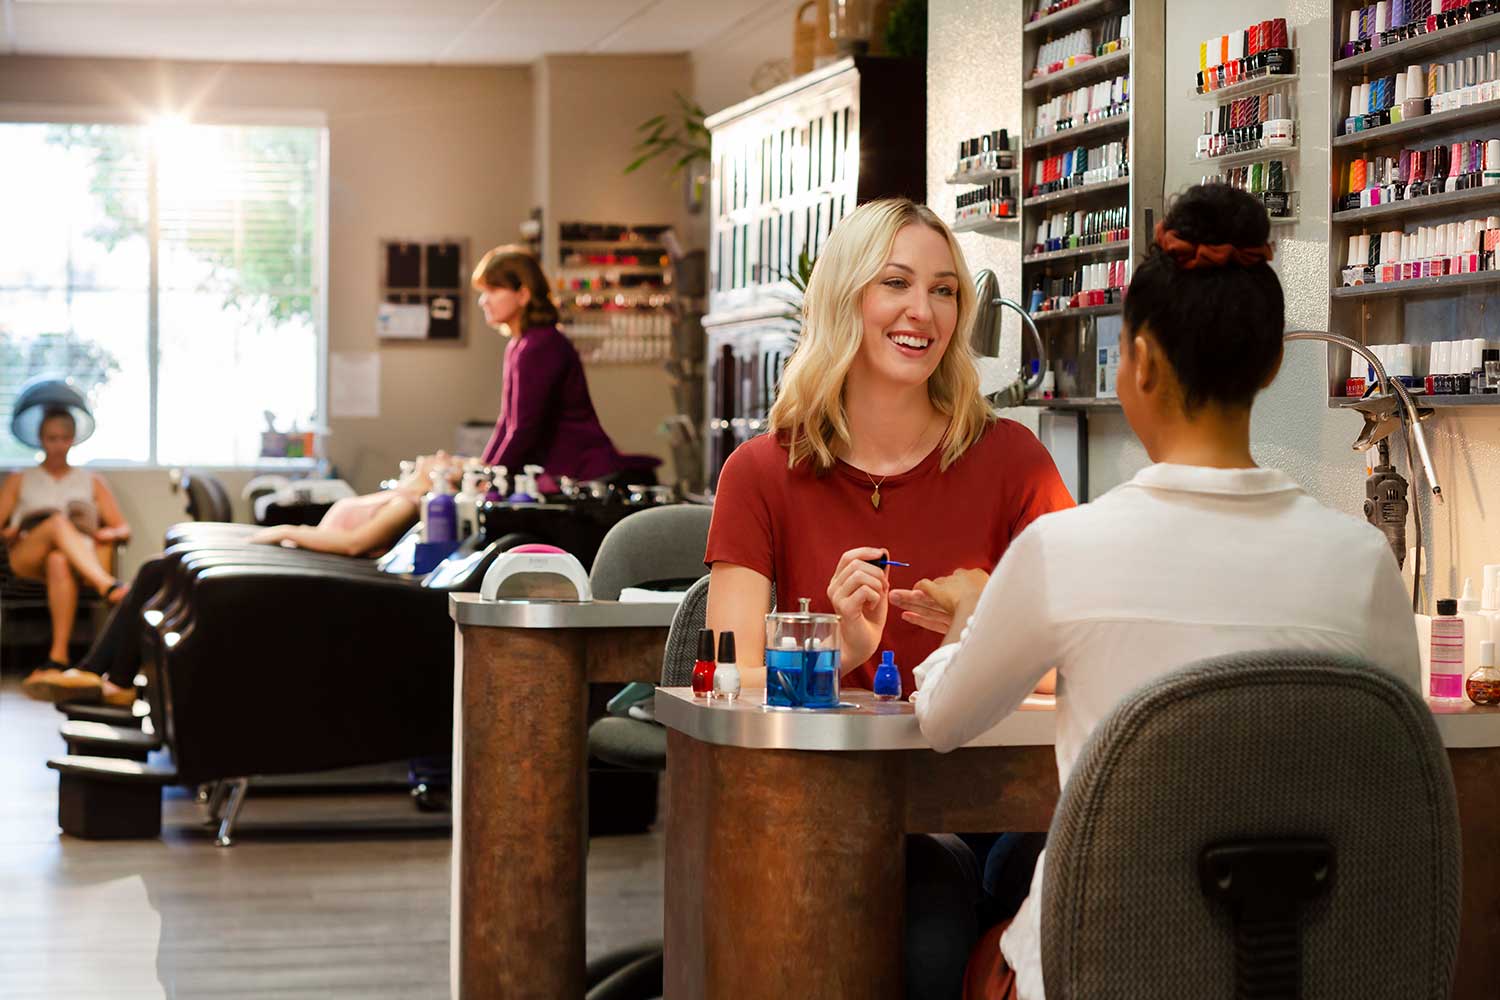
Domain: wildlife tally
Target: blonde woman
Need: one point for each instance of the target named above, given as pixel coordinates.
(879, 445)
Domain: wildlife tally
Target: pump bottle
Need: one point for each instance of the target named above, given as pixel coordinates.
(441, 518)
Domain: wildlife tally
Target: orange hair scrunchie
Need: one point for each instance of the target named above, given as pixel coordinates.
(1195, 255)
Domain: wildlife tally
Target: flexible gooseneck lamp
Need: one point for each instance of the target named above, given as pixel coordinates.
(1393, 409)
(994, 381)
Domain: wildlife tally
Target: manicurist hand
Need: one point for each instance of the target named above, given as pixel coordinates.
(10, 533)
(860, 594)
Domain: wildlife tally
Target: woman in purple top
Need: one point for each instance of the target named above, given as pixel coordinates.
(546, 415)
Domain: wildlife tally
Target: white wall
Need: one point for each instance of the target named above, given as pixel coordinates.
(723, 66)
(974, 76)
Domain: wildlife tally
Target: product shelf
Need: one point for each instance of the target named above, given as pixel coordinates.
(1075, 15)
(1424, 401)
(1083, 312)
(1403, 54)
(1443, 285)
(981, 176)
(1091, 251)
(1244, 88)
(1434, 204)
(986, 226)
(1094, 69)
(1119, 123)
(1246, 156)
(1073, 403)
(1076, 193)
(1417, 128)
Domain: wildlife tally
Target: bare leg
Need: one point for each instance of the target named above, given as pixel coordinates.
(57, 532)
(62, 601)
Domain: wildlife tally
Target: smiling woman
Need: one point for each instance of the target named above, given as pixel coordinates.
(880, 448)
(879, 443)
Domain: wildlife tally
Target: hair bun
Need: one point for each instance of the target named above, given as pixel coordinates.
(1218, 213)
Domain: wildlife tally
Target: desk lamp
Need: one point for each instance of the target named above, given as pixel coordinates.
(994, 380)
(1391, 410)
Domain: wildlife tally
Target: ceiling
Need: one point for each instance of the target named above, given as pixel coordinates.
(465, 32)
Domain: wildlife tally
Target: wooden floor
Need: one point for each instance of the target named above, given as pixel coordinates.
(346, 897)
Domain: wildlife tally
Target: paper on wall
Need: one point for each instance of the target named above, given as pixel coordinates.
(353, 384)
(396, 322)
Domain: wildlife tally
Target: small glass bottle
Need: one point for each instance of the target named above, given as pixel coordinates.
(1483, 685)
(703, 666)
(887, 678)
(726, 671)
(1446, 683)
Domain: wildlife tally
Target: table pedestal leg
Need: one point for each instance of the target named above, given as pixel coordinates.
(1476, 776)
(520, 877)
(801, 892)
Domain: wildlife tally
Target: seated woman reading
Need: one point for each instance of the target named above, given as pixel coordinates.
(61, 525)
(1201, 554)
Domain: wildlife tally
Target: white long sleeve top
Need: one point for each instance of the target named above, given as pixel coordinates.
(1179, 564)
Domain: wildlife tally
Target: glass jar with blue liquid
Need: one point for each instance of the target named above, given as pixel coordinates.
(802, 659)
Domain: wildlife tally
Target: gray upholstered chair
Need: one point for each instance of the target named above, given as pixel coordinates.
(659, 546)
(1277, 825)
(635, 743)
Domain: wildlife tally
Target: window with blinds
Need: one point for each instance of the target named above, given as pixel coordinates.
(174, 272)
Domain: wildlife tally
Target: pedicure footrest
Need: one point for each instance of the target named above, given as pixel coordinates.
(108, 798)
(100, 740)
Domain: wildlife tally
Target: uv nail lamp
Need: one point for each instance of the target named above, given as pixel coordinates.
(536, 573)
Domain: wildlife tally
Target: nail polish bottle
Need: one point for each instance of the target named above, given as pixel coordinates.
(703, 666)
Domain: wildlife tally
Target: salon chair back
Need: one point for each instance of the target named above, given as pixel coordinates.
(655, 547)
(207, 499)
(1274, 825)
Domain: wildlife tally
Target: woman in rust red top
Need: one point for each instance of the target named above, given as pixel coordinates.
(880, 444)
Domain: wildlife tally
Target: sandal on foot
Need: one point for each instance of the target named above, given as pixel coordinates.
(59, 682)
(115, 592)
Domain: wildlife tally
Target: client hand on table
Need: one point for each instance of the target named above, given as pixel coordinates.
(945, 605)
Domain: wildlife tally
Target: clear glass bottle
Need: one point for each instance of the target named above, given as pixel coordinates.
(1483, 685)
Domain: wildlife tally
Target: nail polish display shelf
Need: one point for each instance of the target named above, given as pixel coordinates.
(1074, 403)
(1082, 191)
(989, 227)
(1096, 68)
(980, 176)
(1244, 88)
(1433, 204)
(1246, 156)
(1080, 253)
(1419, 286)
(1425, 125)
(1423, 400)
(1403, 54)
(1082, 312)
(1076, 14)
(1119, 123)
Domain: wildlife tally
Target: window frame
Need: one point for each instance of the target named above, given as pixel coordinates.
(45, 114)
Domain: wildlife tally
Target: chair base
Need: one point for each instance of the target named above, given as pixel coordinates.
(101, 798)
(105, 810)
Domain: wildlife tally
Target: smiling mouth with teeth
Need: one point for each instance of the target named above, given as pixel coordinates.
(915, 343)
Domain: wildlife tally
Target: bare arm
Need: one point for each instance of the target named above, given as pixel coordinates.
(113, 525)
(382, 529)
(738, 599)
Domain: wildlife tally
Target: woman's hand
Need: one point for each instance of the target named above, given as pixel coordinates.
(860, 594)
(273, 536)
(954, 591)
(920, 610)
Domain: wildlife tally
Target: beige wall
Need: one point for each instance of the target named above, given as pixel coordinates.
(588, 108)
(412, 152)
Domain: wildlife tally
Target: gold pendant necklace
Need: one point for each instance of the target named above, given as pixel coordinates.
(875, 495)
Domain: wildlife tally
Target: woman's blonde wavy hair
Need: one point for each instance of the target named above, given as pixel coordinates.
(808, 416)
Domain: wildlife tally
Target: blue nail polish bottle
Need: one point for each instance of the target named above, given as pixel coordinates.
(887, 678)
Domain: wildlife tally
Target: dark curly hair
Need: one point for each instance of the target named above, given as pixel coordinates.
(1220, 327)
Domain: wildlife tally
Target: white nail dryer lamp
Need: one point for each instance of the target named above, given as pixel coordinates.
(536, 573)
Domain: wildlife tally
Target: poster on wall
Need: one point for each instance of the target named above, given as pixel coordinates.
(422, 291)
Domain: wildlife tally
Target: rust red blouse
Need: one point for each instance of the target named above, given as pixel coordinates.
(791, 525)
